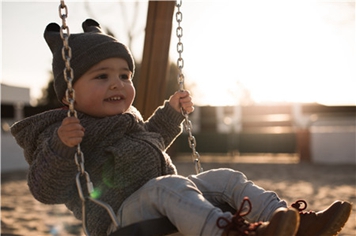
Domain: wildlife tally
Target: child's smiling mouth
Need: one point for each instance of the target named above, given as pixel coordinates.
(114, 99)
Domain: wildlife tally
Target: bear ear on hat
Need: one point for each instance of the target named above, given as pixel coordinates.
(52, 37)
(53, 27)
(91, 25)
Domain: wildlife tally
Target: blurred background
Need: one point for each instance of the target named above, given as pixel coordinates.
(266, 76)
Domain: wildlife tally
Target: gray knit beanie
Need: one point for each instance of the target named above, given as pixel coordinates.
(88, 49)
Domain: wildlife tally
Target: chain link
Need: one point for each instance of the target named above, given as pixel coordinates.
(67, 56)
(68, 75)
(187, 124)
(179, 33)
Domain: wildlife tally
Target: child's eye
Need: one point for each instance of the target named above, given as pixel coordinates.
(125, 77)
(102, 76)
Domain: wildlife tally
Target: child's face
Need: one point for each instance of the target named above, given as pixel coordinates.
(106, 89)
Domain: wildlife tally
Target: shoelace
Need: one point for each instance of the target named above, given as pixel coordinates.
(301, 205)
(237, 223)
(297, 205)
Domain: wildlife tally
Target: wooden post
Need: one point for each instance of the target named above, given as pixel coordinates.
(303, 144)
(152, 81)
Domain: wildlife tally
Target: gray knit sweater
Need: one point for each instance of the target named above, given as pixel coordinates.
(121, 154)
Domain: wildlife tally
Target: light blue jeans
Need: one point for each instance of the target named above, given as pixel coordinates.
(191, 203)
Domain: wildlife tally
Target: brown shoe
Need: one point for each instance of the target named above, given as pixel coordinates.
(284, 222)
(328, 222)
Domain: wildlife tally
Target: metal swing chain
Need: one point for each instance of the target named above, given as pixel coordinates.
(70, 97)
(180, 63)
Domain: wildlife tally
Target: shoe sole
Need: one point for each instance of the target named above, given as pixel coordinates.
(287, 223)
(337, 222)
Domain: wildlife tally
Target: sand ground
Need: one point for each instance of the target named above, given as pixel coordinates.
(318, 184)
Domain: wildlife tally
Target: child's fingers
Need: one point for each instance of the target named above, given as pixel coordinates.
(188, 107)
(71, 138)
(74, 141)
(71, 123)
(181, 99)
(183, 94)
(71, 132)
(70, 120)
(186, 103)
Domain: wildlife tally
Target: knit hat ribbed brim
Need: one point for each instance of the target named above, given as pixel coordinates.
(88, 49)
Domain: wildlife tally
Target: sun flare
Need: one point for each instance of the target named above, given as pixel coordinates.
(271, 53)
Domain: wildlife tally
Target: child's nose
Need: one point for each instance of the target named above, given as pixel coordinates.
(116, 83)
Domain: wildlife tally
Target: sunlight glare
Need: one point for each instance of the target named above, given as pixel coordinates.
(279, 51)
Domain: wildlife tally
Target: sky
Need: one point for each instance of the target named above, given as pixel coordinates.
(274, 51)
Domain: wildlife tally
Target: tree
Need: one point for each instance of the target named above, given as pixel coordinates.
(49, 98)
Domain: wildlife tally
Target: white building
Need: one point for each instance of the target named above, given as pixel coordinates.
(11, 154)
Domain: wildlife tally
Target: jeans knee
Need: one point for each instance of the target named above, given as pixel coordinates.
(238, 175)
(173, 184)
(176, 182)
(223, 175)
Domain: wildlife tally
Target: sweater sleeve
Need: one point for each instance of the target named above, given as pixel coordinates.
(167, 122)
(52, 173)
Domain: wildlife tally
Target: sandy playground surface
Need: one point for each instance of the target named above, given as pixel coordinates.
(318, 184)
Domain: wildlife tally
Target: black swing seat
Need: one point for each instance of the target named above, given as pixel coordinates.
(156, 227)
